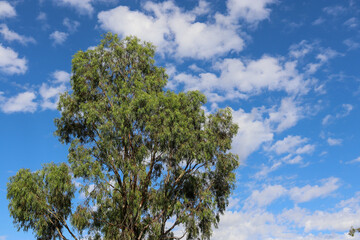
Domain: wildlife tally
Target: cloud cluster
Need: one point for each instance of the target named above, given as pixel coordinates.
(254, 221)
(266, 196)
(179, 32)
(47, 96)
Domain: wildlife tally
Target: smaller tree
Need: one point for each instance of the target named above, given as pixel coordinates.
(41, 200)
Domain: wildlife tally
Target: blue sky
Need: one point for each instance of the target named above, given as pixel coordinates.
(288, 69)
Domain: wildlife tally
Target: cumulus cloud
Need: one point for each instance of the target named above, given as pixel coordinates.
(174, 30)
(23, 102)
(10, 63)
(6, 10)
(58, 37)
(10, 36)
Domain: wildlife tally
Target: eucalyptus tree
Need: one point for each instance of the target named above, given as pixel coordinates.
(151, 164)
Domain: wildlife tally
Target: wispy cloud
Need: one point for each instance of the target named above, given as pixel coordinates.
(345, 111)
(10, 36)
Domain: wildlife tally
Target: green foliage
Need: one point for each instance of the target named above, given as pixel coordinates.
(149, 160)
(353, 230)
(41, 200)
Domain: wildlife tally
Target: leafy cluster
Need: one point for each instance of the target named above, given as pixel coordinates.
(151, 163)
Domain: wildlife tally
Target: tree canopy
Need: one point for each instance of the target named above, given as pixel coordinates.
(149, 163)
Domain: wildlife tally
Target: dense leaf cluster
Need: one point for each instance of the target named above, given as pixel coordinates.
(151, 163)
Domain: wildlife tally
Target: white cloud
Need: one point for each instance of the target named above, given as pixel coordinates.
(82, 6)
(41, 17)
(240, 79)
(253, 131)
(318, 21)
(61, 76)
(6, 10)
(202, 8)
(259, 125)
(356, 160)
(10, 63)
(308, 192)
(10, 36)
(260, 224)
(173, 30)
(265, 197)
(250, 11)
(334, 10)
(265, 170)
(343, 112)
(58, 37)
(289, 144)
(286, 115)
(50, 95)
(23, 102)
(351, 22)
(301, 49)
(266, 73)
(326, 119)
(71, 25)
(323, 57)
(50, 92)
(351, 44)
(307, 149)
(334, 141)
(347, 108)
(255, 222)
(341, 220)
